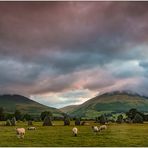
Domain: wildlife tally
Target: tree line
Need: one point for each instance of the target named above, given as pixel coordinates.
(132, 116)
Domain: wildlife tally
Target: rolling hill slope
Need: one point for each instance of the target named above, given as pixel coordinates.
(110, 102)
(69, 108)
(12, 102)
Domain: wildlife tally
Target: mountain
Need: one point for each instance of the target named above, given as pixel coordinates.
(12, 102)
(69, 108)
(110, 102)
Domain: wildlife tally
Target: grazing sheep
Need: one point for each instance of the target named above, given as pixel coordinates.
(31, 128)
(20, 132)
(102, 127)
(85, 123)
(95, 129)
(75, 131)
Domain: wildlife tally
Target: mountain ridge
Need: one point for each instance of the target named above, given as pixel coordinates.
(117, 101)
(12, 102)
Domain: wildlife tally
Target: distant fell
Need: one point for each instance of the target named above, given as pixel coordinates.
(110, 102)
(69, 108)
(12, 102)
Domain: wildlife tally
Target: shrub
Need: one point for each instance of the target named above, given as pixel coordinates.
(120, 119)
(27, 117)
(132, 113)
(47, 121)
(138, 118)
(18, 115)
(2, 115)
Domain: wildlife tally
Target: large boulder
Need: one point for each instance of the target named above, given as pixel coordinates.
(8, 123)
(47, 121)
(13, 121)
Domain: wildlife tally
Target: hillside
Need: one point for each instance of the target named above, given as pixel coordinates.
(69, 108)
(12, 102)
(111, 102)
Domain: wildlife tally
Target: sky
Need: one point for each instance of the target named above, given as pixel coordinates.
(63, 53)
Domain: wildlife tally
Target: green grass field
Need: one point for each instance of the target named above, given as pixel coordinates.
(58, 135)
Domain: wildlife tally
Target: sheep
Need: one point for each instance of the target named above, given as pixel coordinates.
(20, 132)
(102, 127)
(95, 129)
(31, 128)
(85, 123)
(75, 131)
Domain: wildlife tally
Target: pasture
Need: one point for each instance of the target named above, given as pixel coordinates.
(116, 135)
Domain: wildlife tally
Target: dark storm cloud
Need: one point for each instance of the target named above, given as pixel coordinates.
(51, 46)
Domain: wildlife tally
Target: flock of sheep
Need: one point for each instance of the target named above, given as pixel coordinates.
(21, 131)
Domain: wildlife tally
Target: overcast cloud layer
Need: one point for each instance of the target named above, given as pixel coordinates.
(62, 53)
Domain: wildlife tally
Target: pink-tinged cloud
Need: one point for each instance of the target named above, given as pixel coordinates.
(57, 48)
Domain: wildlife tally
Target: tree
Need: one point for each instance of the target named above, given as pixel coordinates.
(47, 121)
(138, 118)
(9, 116)
(120, 119)
(44, 114)
(18, 115)
(131, 113)
(27, 117)
(102, 119)
(2, 115)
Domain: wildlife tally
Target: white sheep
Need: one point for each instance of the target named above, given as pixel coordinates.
(75, 131)
(31, 128)
(102, 127)
(20, 132)
(95, 129)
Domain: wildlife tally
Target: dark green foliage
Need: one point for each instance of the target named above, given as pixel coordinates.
(138, 118)
(102, 119)
(47, 121)
(18, 115)
(120, 119)
(135, 116)
(13, 121)
(2, 115)
(58, 118)
(44, 114)
(66, 121)
(27, 117)
(8, 123)
(77, 121)
(145, 117)
(131, 113)
(9, 116)
(30, 123)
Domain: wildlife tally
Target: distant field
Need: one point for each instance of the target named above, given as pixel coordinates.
(58, 135)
